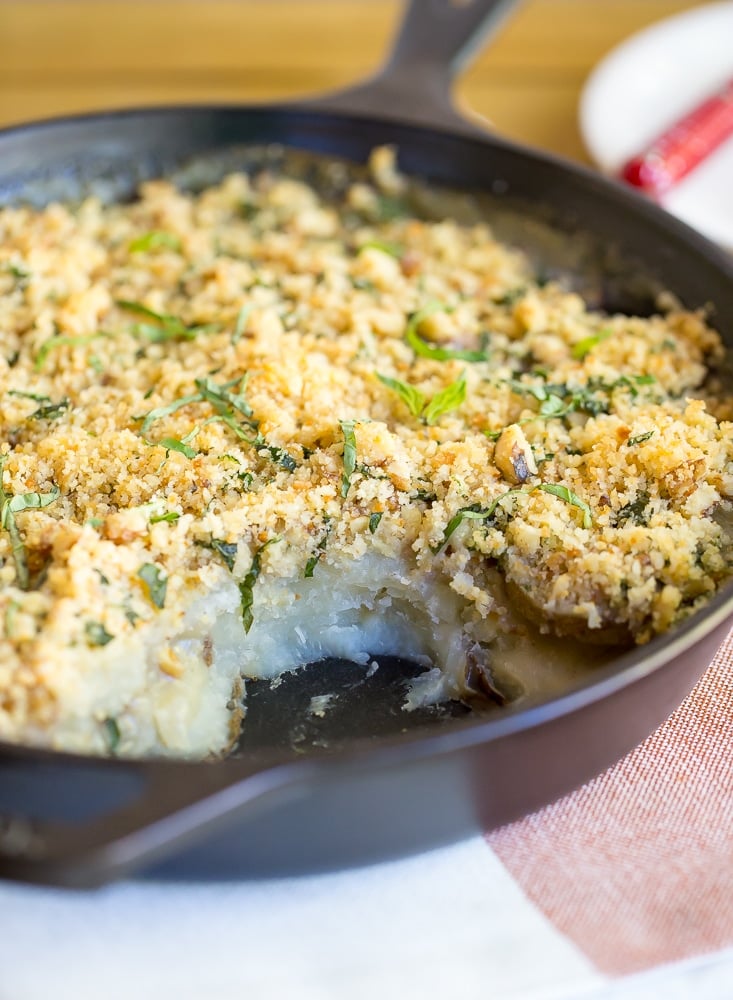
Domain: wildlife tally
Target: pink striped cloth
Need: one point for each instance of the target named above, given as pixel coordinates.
(636, 867)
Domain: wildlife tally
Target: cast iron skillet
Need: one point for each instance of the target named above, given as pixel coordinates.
(373, 781)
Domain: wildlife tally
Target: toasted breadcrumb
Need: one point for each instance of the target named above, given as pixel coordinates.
(187, 395)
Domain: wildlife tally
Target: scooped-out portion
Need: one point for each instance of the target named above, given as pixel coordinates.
(291, 415)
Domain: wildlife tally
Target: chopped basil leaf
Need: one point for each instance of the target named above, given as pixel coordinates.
(19, 271)
(633, 511)
(173, 444)
(169, 517)
(246, 587)
(557, 490)
(26, 501)
(320, 548)
(478, 513)
(473, 512)
(410, 396)
(12, 505)
(510, 297)
(230, 408)
(97, 634)
(162, 326)
(347, 429)
(62, 341)
(553, 406)
(157, 239)
(362, 284)
(312, 563)
(241, 324)
(50, 411)
(36, 397)
(11, 613)
(47, 411)
(393, 249)
(391, 207)
(446, 400)
(156, 583)
(278, 455)
(430, 411)
(224, 401)
(227, 551)
(165, 411)
(111, 733)
(640, 438)
(425, 349)
(586, 345)
(374, 520)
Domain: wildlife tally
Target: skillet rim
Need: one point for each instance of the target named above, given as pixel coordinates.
(623, 670)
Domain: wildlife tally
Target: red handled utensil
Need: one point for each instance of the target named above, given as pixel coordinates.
(682, 147)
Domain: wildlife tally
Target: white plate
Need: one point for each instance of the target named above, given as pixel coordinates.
(647, 83)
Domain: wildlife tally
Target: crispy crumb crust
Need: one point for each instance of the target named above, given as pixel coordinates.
(310, 299)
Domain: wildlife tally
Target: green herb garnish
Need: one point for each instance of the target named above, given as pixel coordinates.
(12, 505)
(18, 271)
(36, 397)
(223, 400)
(170, 517)
(97, 634)
(558, 490)
(241, 325)
(586, 345)
(413, 399)
(232, 409)
(320, 548)
(393, 249)
(430, 411)
(425, 349)
(62, 341)
(165, 411)
(390, 206)
(633, 511)
(474, 512)
(278, 455)
(227, 551)
(374, 520)
(157, 239)
(246, 587)
(640, 438)
(47, 410)
(446, 400)
(111, 733)
(174, 444)
(478, 513)
(155, 582)
(162, 326)
(511, 296)
(347, 429)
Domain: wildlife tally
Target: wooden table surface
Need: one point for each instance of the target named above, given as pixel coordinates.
(72, 55)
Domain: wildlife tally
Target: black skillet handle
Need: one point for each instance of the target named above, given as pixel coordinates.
(435, 39)
(79, 822)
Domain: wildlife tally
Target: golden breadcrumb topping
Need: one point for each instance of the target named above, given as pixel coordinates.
(259, 380)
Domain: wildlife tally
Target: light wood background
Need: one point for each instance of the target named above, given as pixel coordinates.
(73, 55)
